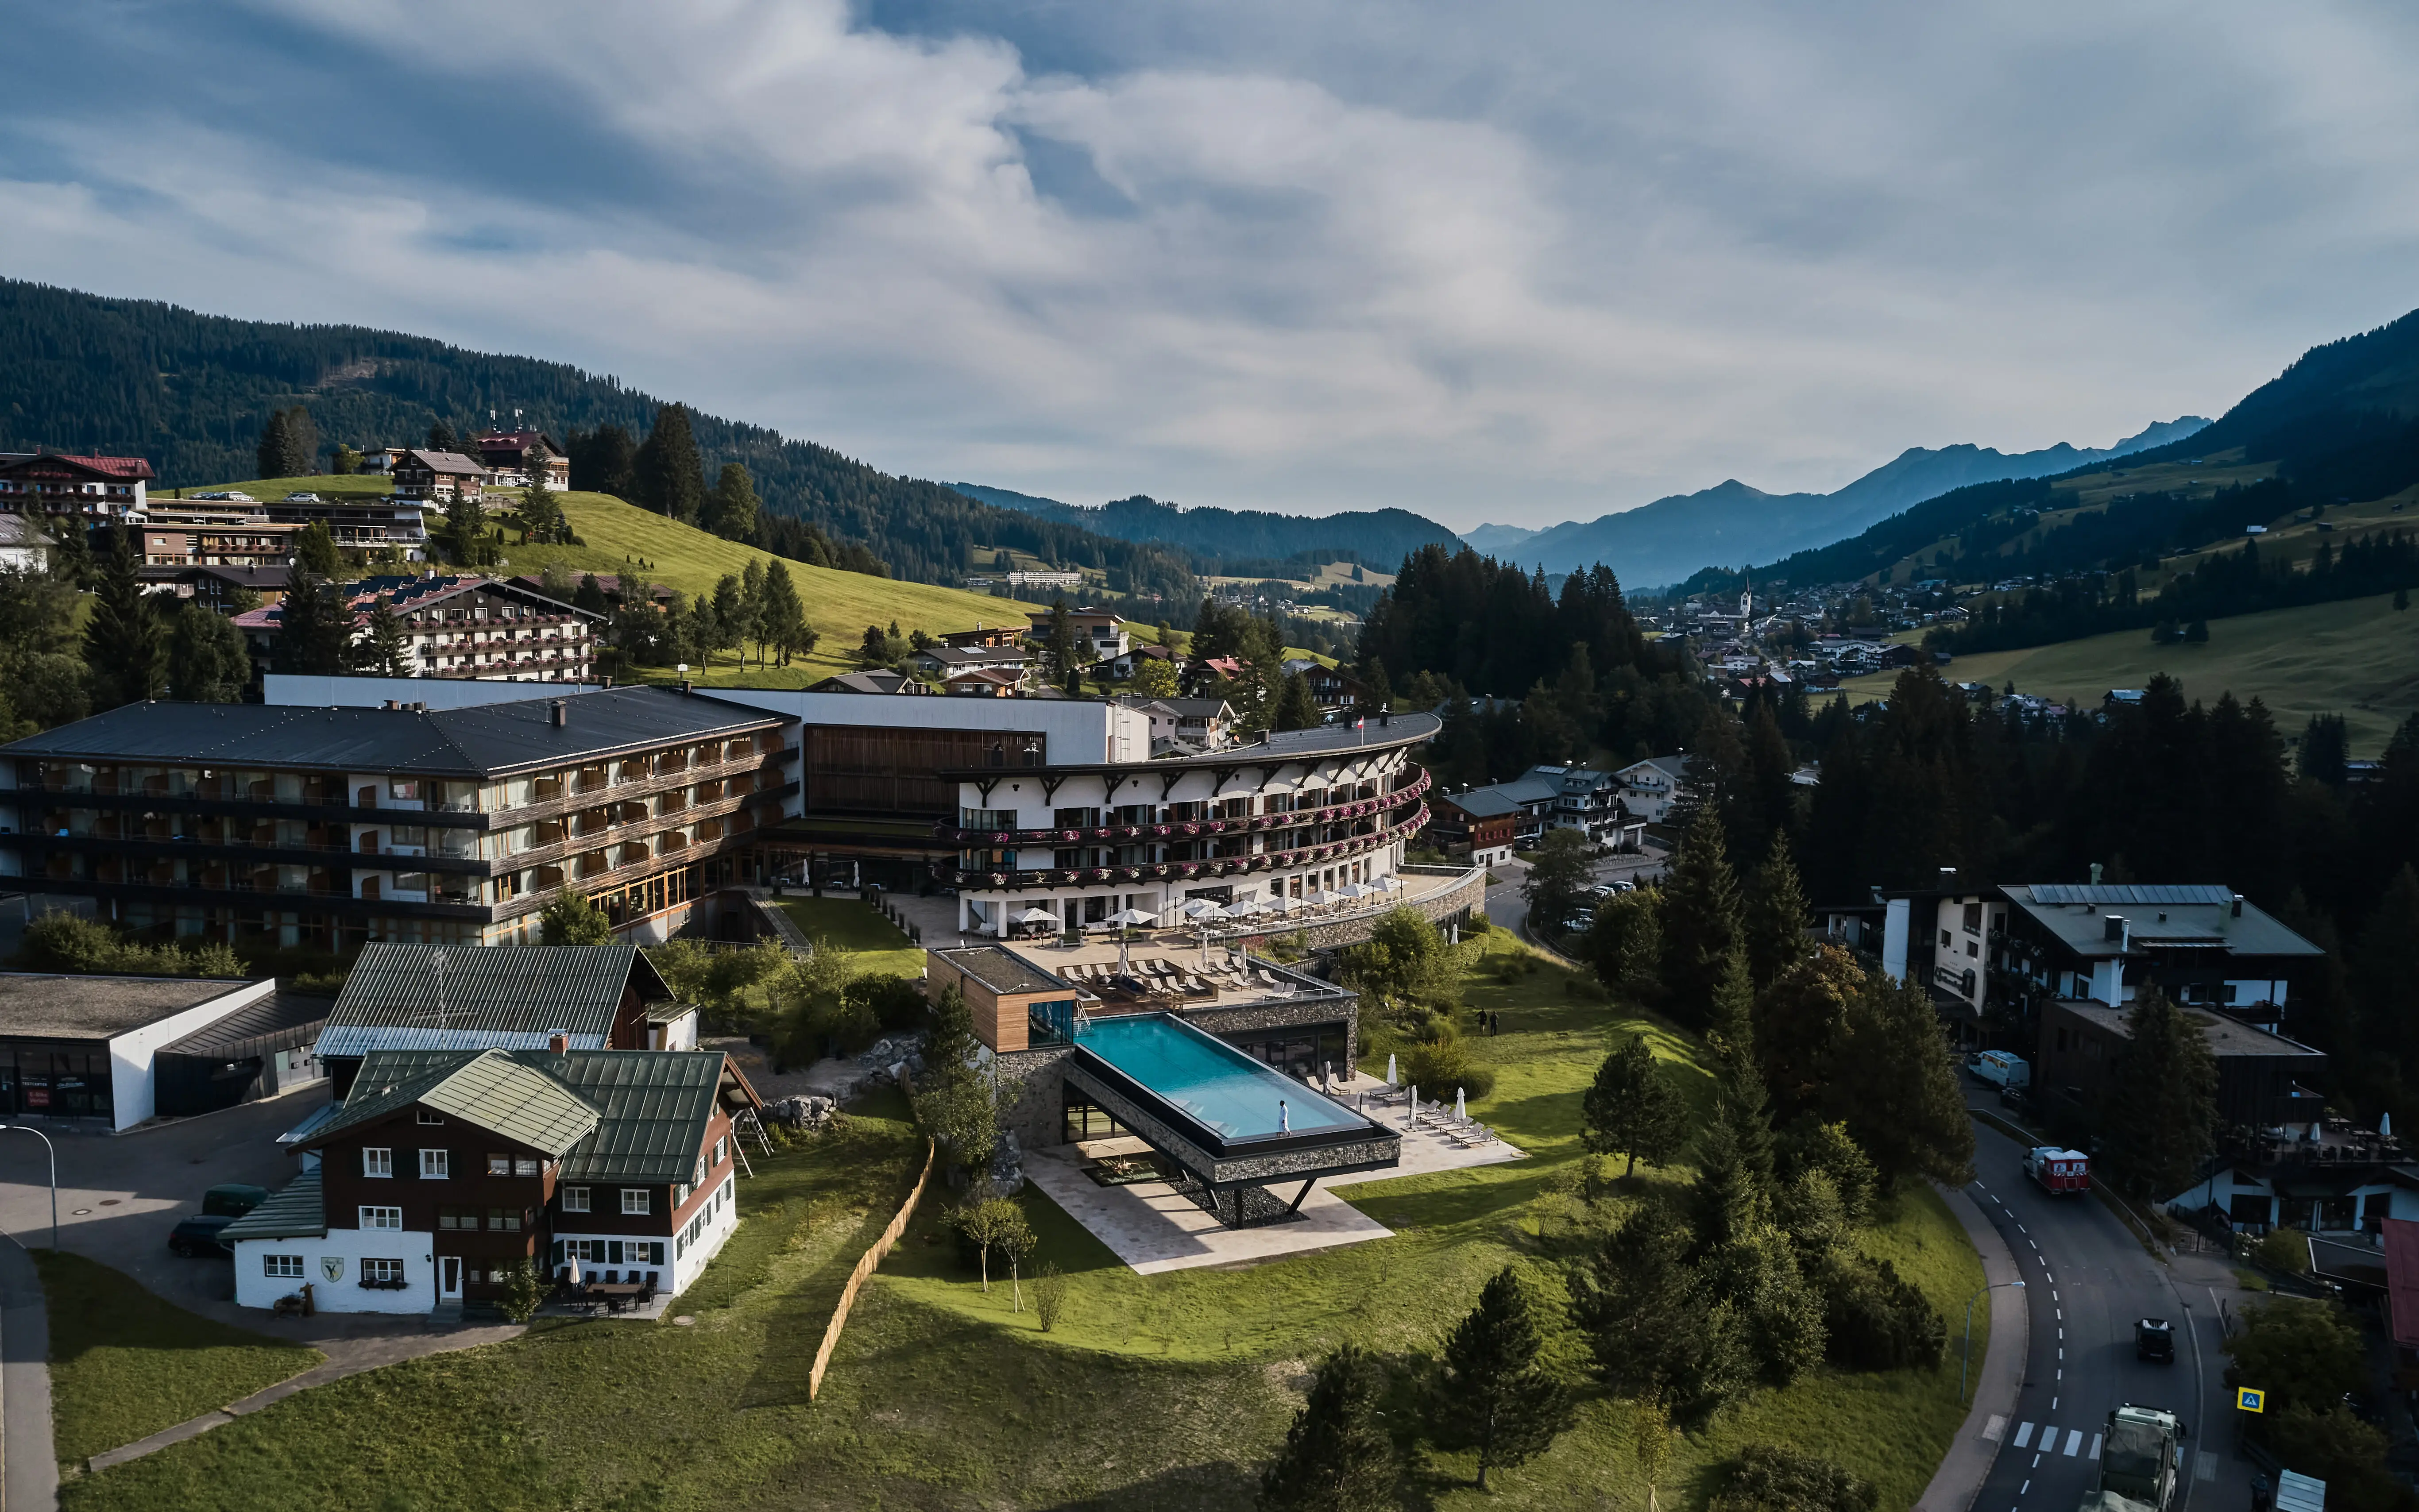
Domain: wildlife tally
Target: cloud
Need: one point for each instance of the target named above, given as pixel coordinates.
(1516, 265)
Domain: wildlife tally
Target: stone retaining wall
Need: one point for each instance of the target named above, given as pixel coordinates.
(1462, 899)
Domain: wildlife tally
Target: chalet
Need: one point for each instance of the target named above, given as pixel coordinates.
(983, 682)
(1329, 687)
(873, 682)
(463, 628)
(444, 1169)
(441, 475)
(217, 589)
(982, 636)
(95, 488)
(426, 998)
(1103, 631)
(24, 545)
(509, 455)
(1648, 787)
(1480, 827)
(244, 544)
(1198, 724)
(947, 660)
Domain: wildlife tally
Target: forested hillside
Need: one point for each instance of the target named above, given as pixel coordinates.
(193, 391)
(1237, 542)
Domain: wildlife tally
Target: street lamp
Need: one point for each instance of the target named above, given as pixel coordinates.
(54, 1176)
(1966, 1362)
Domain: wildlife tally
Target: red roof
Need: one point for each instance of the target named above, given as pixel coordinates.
(2402, 1281)
(117, 467)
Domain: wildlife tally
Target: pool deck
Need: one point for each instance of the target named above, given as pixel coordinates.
(1152, 1228)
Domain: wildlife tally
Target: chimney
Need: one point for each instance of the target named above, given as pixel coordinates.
(688, 686)
(561, 712)
(1949, 878)
(2118, 928)
(559, 1042)
(2095, 874)
(2236, 909)
(394, 703)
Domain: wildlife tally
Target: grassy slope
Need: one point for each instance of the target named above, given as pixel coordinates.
(2358, 659)
(1159, 1393)
(125, 1364)
(873, 943)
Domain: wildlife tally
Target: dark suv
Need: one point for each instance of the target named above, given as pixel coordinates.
(2154, 1338)
(199, 1236)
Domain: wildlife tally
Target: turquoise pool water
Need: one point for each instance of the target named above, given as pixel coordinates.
(1218, 1084)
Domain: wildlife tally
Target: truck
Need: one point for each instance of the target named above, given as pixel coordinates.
(2002, 1068)
(2059, 1171)
(2142, 1456)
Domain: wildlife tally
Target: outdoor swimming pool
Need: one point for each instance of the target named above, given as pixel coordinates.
(1228, 1092)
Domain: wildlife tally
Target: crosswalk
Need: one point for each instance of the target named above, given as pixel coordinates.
(2047, 1443)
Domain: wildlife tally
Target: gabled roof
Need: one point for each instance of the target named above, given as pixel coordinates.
(491, 1089)
(498, 996)
(449, 463)
(654, 1108)
(127, 469)
(295, 1210)
(1481, 803)
(2188, 915)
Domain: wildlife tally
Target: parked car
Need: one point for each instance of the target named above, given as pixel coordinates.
(232, 1199)
(199, 1235)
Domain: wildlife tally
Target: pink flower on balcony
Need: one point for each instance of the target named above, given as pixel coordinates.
(999, 839)
(1189, 829)
(1069, 836)
(1160, 830)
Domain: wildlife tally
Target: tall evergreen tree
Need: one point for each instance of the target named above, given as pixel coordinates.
(1058, 645)
(466, 531)
(1656, 1332)
(315, 551)
(208, 660)
(730, 509)
(668, 471)
(270, 455)
(124, 643)
(784, 618)
(1632, 1109)
(1896, 1088)
(731, 614)
(541, 511)
(1336, 1457)
(2161, 1112)
(314, 629)
(1699, 918)
(386, 650)
(1296, 708)
(1496, 1394)
(751, 614)
(1775, 921)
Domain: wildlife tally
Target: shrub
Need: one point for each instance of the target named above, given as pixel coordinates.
(523, 1291)
(1049, 1295)
(69, 942)
(895, 1003)
(1877, 1319)
(1438, 1066)
(2284, 1250)
(1768, 1478)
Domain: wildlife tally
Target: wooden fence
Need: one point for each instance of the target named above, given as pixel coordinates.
(865, 1263)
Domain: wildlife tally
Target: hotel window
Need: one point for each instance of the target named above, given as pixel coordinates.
(503, 1220)
(637, 1199)
(574, 1199)
(288, 1266)
(457, 1218)
(500, 1165)
(436, 1165)
(381, 1217)
(386, 1271)
(376, 1161)
(426, 1116)
(526, 1166)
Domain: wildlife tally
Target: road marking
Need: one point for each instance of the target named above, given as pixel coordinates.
(2053, 1404)
(2062, 1315)
(2061, 1333)
(2074, 1443)
(2053, 1296)
(2025, 1487)
(1995, 1428)
(2095, 1448)
(2205, 1467)
(2061, 1354)
(2034, 1242)
(2022, 1229)
(2023, 1435)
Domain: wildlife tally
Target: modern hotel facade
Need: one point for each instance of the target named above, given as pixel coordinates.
(331, 828)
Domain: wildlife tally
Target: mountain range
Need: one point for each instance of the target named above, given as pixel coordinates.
(1237, 542)
(1730, 524)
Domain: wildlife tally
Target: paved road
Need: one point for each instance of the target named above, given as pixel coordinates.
(2088, 1280)
(1507, 909)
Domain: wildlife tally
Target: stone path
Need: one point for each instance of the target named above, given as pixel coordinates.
(29, 1465)
(1968, 1463)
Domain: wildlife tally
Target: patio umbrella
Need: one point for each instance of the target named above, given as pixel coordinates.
(1389, 882)
(2385, 1126)
(1124, 921)
(1355, 891)
(1036, 915)
(1320, 898)
(1460, 1109)
(1197, 907)
(1390, 1068)
(1412, 1118)
(574, 1271)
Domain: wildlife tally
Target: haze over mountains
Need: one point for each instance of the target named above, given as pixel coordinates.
(1235, 540)
(1731, 523)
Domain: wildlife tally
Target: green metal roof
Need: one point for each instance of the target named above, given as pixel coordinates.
(502, 997)
(610, 1114)
(295, 1210)
(490, 1089)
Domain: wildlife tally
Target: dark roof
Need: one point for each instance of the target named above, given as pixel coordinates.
(257, 577)
(295, 1210)
(868, 683)
(639, 1115)
(445, 462)
(2176, 917)
(488, 740)
(2225, 1036)
(35, 1004)
(277, 1022)
(1000, 969)
(497, 997)
(1482, 803)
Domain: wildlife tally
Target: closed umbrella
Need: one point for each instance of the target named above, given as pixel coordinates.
(1411, 1117)
(573, 1276)
(2385, 1126)
(1460, 1109)
(1389, 1068)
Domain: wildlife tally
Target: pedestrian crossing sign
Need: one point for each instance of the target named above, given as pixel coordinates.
(2250, 1400)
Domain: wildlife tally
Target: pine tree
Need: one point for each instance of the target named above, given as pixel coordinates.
(1632, 1109)
(751, 613)
(669, 473)
(1496, 1394)
(466, 531)
(541, 511)
(1058, 649)
(315, 551)
(784, 617)
(441, 436)
(124, 644)
(269, 457)
(1897, 1090)
(71, 554)
(387, 652)
(302, 444)
(1699, 917)
(1296, 708)
(208, 660)
(1657, 1334)
(1775, 922)
(314, 629)
(730, 510)
(2159, 1115)
(1336, 1457)
(590, 596)
(730, 613)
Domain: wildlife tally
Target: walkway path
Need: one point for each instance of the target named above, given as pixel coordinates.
(29, 1466)
(1969, 1459)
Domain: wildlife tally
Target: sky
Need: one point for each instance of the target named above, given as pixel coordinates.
(1512, 263)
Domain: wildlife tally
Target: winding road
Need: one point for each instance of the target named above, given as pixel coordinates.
(2088, 1279)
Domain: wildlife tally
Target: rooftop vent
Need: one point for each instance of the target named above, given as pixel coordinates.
(558, 712)
(2236, 909)
(559, 1042)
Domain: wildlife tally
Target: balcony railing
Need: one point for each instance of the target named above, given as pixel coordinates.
(1188, 828)
(1180, 870)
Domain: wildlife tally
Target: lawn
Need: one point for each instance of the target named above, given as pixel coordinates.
(873, 942)
(2359, 659)
(125, 1364)
(1153, 1393)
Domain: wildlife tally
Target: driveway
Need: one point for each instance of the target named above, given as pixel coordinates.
(1507, 908)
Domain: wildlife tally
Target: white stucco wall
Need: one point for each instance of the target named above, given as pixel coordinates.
(349, 1246)
(133, 1087)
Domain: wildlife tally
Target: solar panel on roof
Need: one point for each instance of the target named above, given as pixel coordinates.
(2136, 894)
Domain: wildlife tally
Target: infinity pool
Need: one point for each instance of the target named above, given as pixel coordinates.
(1226, 1091)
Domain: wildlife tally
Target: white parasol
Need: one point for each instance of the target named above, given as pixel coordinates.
(1355, 891)
(1460, 1109)
(1411, 1117)
(1320, 898)
(1036, 915)
(1390, 1068)
(1124, 921)
(1389, 882)
(574, 1271)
